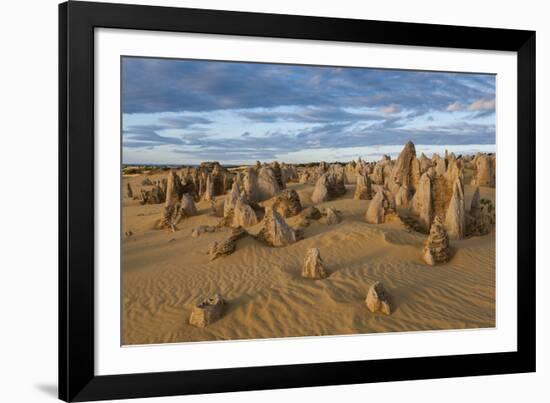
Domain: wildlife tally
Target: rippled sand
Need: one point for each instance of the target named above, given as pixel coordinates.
(165, 274)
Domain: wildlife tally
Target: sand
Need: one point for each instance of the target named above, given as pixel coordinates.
(165, 273)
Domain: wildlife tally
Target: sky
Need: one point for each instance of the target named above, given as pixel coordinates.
(178, 111)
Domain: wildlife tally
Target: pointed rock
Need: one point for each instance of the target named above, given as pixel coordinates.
(331, 217)
(278, 174)
(320, 193)
(485, 174)
(129, 191)
(402, 197)
(377, 300)
(474, 205)
(422, 204)
(380, 207)
(440, 166)
(231, 200)
(402, 172)
(313, 265)
(363, 190)
(208, 194)
(243, 214)
(250, 185)
(425, 163)
(455, 218)
(187, 205)
(287, 203)
(275, 231)
(174, 188)
(267, 184)
(436, 248)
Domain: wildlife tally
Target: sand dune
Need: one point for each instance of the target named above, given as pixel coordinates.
(166, 273)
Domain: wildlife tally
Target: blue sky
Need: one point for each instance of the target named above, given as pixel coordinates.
(187, 111)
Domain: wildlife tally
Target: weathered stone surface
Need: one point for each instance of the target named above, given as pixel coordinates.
(278, 174)
(381, 208)
(454, 170)
(267, 184)
(174, 188)
(207, 311)
(311, 213)
(440, 166)
(231, 200)
(154, 196)
(187, 205)
(305, 177)
(173, 212)
(424, 162)
(287, 203)
(474, 204)
(208, 194)
(129, 191)
(436, 247)
(378, 173)
(250, 185)
(485, 173)
(313, 265)
(330, 185)
(275, 231)
(402, 196)
(243, 214)
(377, 299)
(337, 180)
(320, 193)
(227, 246)
(455, 218)
(402, 172)
(217, 178)
(331, 217)
(363, 189)
(484, 219)
(422, 205)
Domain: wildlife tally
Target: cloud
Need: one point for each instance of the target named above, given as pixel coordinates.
(242, 111)
(388, 110)
(146, 136)
(184, 121)
(454, 107)
(482, 105)
(169, 85)
(325, 114)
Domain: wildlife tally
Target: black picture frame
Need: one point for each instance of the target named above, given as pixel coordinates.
(77, 379)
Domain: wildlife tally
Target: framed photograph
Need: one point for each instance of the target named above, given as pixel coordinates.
(259, 201)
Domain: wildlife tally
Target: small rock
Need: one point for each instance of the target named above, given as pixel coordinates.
(331, 217)
(377, 300)
(207, 311)
(311, 213)
(313, 265)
